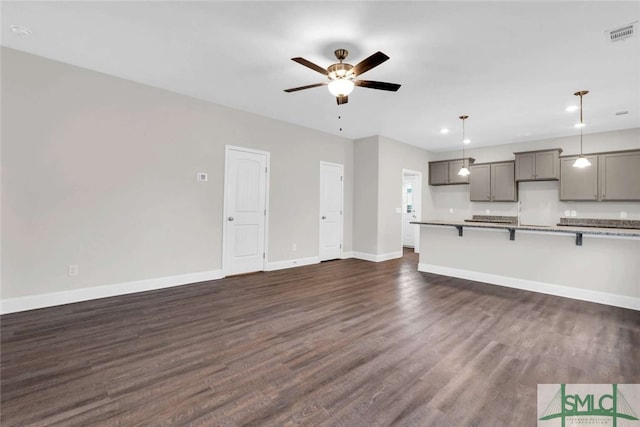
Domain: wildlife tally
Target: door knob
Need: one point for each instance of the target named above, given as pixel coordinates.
(324, 217)
(230, 218)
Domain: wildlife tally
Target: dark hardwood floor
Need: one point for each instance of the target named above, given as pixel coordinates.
(345, 343)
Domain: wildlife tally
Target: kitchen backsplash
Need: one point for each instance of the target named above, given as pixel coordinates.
(539, 200)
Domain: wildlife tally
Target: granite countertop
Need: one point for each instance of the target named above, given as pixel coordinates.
(548, 229)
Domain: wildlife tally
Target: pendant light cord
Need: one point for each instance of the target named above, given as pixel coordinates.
(581, 124)
(462, 142)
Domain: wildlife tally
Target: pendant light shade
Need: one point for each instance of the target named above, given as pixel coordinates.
(463, 170)
(581, 161)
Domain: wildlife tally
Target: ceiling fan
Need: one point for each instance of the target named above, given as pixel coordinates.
(342, 76)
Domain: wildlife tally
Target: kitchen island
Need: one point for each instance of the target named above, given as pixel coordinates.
(587, 263)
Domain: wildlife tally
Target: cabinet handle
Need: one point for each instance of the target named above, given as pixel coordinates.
(603, 196)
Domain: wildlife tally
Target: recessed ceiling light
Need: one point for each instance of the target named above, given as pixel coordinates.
(21, 31)
(444, 131)
(579, 125)
(572, 108)
(467, 141)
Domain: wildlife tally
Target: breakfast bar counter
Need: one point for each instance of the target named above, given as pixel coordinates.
(598, 264)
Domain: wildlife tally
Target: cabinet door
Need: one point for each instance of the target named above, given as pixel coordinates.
(546, 165)
(454, 168)
(438, 173)
(480, 183)
(578, 183)
(503, 183)
(525, 166)
(619, 176)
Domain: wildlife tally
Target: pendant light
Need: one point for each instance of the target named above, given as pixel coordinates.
(463, 171)
(581, 161)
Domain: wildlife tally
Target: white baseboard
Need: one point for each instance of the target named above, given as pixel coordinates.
(290, 263)
(346, 255)
(606, 298)
(377, 257)
(12, 305)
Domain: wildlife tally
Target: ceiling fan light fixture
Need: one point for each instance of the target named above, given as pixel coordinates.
(341, 87)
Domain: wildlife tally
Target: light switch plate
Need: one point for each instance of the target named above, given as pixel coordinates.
(573, 213)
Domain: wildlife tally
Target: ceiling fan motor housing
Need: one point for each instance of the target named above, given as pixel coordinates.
(340, 71)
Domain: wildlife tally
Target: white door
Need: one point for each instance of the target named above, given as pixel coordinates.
(245, 210)
(411, 202)
(330, 211)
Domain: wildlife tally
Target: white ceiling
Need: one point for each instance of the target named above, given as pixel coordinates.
(511, 66)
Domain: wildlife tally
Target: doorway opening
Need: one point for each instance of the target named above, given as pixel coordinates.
(411, 208)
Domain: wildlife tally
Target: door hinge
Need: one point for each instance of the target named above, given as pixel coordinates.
(340, 245)
(340, 212)
(263, 255)
(340, 179)
(265, 169)
(265, 212)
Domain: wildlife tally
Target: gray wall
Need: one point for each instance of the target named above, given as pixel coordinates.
(365, 192)
(394, 157)
(540, 200)
(379, 162)
(101, 172)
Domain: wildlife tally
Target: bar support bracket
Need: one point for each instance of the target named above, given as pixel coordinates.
(512, 234)
(578, 239)
(459, 227)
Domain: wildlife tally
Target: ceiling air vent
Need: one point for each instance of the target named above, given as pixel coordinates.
(622, 33)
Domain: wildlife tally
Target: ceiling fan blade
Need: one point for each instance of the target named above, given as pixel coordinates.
(311, 65)
(342, 99)
(371, 84)
(370, 62)
(295, 89)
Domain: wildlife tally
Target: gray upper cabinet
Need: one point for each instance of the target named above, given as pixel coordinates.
(579, 183)
(438, 173)
(619, 175)
(493, 182)
(537, 165)
(480, 183)
(611, 177)
(445, 172)
(503, 182)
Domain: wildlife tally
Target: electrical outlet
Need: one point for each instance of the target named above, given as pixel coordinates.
(623, 215)
(487, 211)
(567, 213)
(73, 270)
(398, 210)
(294, 247)
(573, 213)
(203, 176)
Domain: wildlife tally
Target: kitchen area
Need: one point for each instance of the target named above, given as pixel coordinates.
(525, 217)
